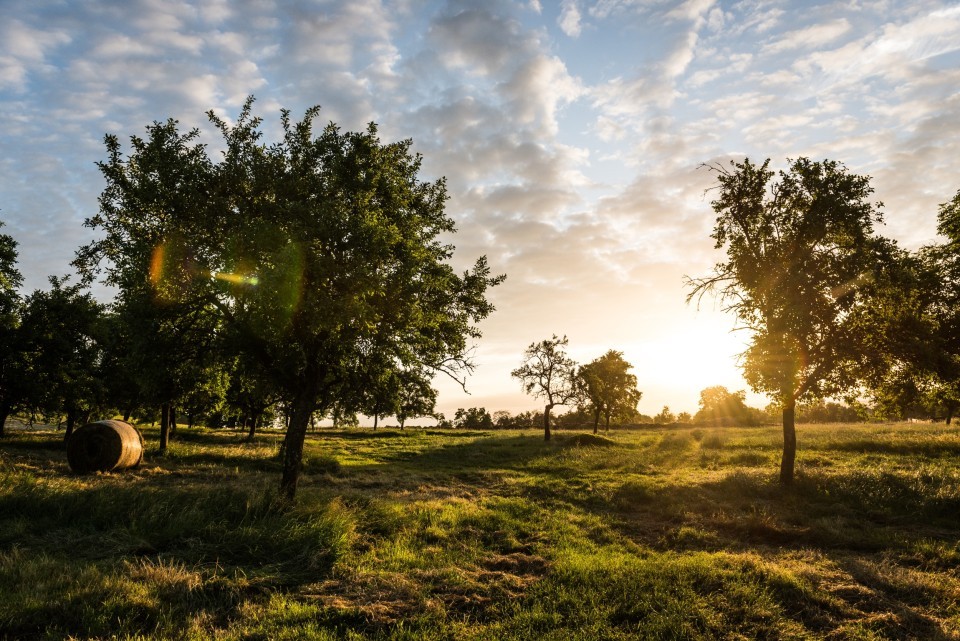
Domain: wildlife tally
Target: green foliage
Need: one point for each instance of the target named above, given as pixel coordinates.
(609, 387)
(11, 375)
(314, 254)
(719, 406)
(548, 373)
(806, 275)
(473, 418)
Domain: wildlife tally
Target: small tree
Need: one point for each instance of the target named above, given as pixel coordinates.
(549, 374)
(801, 262)
(609, 387)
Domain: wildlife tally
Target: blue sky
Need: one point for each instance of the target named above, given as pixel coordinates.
(571, 134)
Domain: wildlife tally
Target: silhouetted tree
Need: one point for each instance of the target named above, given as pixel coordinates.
(11, 374)
(609, 387)
(548, 373)
(720, 406)
(801, 260)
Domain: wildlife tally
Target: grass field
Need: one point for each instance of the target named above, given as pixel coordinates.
(661, 534)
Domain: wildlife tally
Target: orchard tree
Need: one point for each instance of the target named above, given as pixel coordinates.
(609, 387)
(417, 397)
(802, 263)
(315, 252)
(61, 335)
(923, 369)
(11, 374)
(548, 373)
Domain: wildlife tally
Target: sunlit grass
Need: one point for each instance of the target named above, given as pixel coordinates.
(672, 533)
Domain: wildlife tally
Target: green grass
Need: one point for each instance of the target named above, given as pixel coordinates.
(659, 534)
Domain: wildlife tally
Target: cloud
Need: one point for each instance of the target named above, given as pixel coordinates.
(569, 18)
(808, 38)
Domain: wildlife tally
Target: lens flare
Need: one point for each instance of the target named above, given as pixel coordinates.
(236, 279)
(156, 264)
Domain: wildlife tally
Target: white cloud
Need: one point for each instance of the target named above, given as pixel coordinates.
(809, 37)
(569, 19)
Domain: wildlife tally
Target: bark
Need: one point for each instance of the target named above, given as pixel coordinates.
(401, 421)
(546, 422)
(126, 414)
(596, 421)
(164, 426)
(173, 421)
(293, 445)
(71, 422)
(789, 442)
(375, 422)
(4, 414)
(253, 429)
(606, 425)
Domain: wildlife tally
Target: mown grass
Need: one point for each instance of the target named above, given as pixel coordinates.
(659, 534)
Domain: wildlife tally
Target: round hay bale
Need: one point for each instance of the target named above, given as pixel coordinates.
(104, 446)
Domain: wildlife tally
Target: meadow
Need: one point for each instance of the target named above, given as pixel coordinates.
(668, 533)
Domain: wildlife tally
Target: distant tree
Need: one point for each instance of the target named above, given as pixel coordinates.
(719, 406)
(665, 417)
(503, 419)
(801, 260)
(548, 373)
(417, 396)
(684, 417)
(609, 387)
(11, 375)
(316, 252)
(473, 418)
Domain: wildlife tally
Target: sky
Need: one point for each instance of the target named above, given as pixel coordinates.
(573, 136)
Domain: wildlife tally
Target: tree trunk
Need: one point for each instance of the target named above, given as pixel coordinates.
(293, 445)
(4, 414)
(949, 416)
(173, 421)
(596, 421)
(546, 422)
(789, 442)
(164, 426)
(606, 425)
(401, 421)
(375, 417)
(253, 429)
(126, 414)
(71, 421)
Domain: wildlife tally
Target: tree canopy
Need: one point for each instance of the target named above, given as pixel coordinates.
(802, 263)
(549, 374)
(314, 252)
(609, 387)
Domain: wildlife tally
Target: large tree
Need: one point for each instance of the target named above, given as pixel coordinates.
(802, 262)
(923, 369)
(317, 251)
(548, 373)
(609, 387)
